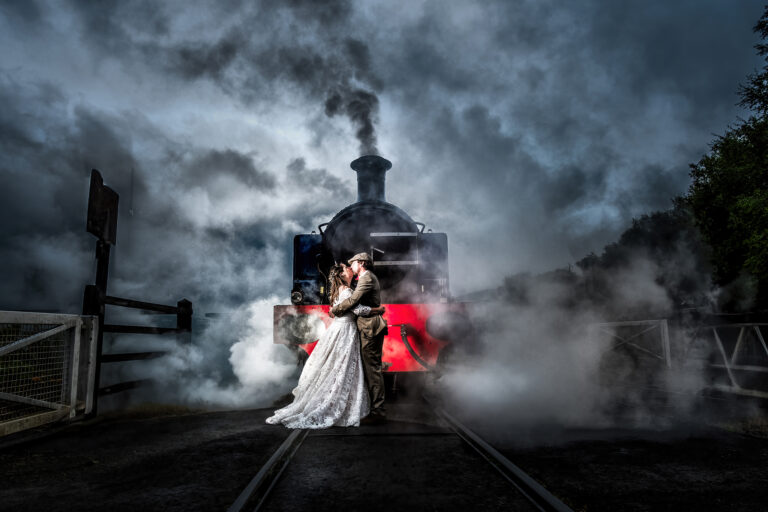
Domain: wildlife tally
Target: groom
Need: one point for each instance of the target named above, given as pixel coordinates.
(372, 331)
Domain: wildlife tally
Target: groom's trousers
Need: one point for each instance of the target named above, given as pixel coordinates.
(370, 352)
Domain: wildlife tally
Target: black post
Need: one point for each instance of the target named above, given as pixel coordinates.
(184, 316)
(101, 222)
(94, 306)
(102, 266)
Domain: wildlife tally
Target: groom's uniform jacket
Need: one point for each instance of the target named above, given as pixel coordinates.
(367, 293)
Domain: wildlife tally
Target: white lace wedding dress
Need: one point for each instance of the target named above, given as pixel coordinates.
(331, 389)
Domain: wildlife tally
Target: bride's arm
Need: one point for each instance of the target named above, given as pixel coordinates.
(359, 309)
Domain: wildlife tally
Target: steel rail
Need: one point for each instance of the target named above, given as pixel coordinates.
(530, 488)
(255, 494)
(258, 489)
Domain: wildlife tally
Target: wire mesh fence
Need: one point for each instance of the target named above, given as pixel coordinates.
(36, 372)
(44, 368)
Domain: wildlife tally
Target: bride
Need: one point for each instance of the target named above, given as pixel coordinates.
(331, 389)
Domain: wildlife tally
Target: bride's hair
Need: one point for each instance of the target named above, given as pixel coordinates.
(336, 281)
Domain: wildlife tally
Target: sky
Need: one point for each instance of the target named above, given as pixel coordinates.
(531, 132)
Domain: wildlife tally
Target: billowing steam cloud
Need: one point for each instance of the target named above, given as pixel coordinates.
(546, 357)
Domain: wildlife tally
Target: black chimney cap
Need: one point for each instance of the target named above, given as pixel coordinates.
(371, 163)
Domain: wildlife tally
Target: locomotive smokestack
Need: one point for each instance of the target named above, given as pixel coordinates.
(370, 177)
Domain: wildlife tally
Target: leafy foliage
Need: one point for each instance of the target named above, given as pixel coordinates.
(754, 94)
(669, 249)
(729, 192)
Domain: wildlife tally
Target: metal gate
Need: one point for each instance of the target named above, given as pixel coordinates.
(47, 369)
(645, 337)
(738, 360)
(637, 356)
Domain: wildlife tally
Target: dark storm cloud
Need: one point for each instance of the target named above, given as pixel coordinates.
(664, 49)
(197, 60)
(321, 187)
(654, 186)
(110, 26)
(570, 186)
(328, 78)
(49, 148)
(41, 154)
(253, 69)
(42, 202)
(215, 164)
(330, 13)
(536, 106)
(21, 10)
(319, 180)
(591, 110)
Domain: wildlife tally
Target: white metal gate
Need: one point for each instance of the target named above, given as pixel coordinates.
(638, 352)
(47, 368)
(650, 337)
(740, 350)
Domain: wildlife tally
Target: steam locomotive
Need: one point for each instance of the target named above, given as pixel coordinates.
(410, 263)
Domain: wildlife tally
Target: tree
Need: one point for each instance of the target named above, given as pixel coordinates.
(729, 192)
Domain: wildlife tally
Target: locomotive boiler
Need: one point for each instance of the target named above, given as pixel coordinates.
(410, 263)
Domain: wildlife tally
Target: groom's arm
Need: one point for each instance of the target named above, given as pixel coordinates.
(364, 285)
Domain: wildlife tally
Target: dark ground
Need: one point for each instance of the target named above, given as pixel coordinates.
(202, 461)
(183, 462)
(715, 472)
(716, 463)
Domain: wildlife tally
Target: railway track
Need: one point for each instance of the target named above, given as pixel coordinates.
(423, 458)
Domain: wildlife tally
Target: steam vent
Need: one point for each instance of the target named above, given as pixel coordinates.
(371, 171)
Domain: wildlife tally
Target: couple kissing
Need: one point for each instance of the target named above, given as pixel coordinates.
(342, 382)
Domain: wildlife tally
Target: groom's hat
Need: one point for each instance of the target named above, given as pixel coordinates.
(363, 256)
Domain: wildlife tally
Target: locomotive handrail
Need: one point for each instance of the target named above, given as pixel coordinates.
(417, 357)
(321, 226)
(325, 289)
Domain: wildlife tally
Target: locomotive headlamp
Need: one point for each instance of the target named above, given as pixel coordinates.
(297, 297)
